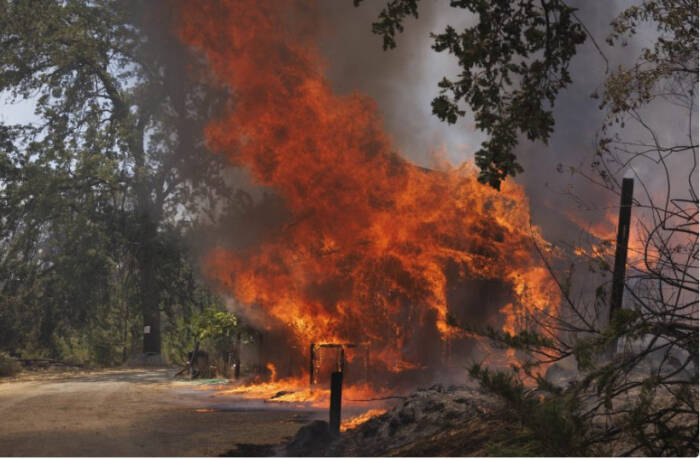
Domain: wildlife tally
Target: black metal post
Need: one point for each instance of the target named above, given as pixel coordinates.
(623, 233)
(341, 360)
(336, 401)
(312, 363)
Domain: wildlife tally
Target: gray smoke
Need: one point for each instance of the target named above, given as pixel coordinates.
(403, 81)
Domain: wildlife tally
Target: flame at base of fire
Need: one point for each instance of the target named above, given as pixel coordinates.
(358, 420)
(296, 391)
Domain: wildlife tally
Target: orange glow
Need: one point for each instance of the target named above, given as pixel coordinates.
(360, 419)
(363, 257)
(602, 228)
(292, 391)
(604, 232)
(273, 371)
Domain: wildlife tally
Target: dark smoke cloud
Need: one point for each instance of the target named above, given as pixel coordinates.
(578, 118)
(403, 81)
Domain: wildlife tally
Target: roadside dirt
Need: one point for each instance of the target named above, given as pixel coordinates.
(134, 412)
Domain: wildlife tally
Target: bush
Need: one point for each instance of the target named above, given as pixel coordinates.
(104, 354)
(8, 366)
(551, 421)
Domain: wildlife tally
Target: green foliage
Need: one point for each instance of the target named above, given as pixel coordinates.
(8, 367)
(674, 52)
(97, 197)
(525, 339)
(514, 61)
(586, 351)
(214, 329)
(390, 21)
(521, 444)
(178, 341)
(551, 421)
(642, 399)
(217, 326)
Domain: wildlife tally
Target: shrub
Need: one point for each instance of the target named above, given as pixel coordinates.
(8, 365)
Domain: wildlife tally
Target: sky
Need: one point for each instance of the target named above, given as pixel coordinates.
(20, 112)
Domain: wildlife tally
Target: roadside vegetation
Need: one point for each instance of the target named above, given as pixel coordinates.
(102, 194)
(9, 366)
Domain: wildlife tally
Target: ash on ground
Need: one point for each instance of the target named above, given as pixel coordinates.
(400, 431)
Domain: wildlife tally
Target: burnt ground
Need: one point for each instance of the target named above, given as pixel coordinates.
(131, 412)
(454, 421)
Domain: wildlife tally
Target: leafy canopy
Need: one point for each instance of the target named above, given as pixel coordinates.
(96, 196)
(514, 61)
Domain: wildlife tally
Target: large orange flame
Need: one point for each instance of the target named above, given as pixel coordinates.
(363, 258)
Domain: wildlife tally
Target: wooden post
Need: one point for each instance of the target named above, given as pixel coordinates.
(341, 360)
(312, 364)
(336, 401)
(237, 358)
(623, 233)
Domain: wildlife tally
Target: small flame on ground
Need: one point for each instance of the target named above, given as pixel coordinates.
(273, 371)
(297, 391)
(354, 422)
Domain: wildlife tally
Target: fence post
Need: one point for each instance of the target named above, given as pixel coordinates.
(336, 401)
(623, 233)
(312, 364)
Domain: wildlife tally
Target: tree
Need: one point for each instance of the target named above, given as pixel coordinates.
(514, 61)
(59, 240)
(118, 133)
(645, 400)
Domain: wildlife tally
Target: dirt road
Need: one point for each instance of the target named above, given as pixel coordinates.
(131, 413)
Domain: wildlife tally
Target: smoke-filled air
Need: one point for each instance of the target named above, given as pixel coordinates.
(363, 257)
(349, 228)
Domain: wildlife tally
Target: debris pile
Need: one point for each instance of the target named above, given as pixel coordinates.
(420, 416)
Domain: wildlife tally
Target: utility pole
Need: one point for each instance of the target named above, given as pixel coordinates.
(623, 233)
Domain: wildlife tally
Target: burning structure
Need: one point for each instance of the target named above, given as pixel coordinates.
(376, 250)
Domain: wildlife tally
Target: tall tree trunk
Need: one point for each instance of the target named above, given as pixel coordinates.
(148, 219)
(149, 294)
